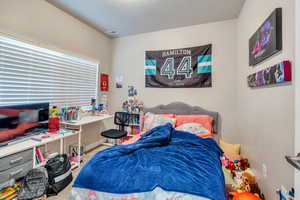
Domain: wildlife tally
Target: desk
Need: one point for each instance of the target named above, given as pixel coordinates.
(87, 120)
(32, 144)
(84, 121)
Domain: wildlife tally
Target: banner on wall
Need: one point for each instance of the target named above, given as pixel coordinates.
(179, 68)
(104, 82)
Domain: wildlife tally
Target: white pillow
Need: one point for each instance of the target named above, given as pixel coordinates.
(194, 128)
(153, 120)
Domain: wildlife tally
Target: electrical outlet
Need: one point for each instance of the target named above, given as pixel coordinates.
(264, 170)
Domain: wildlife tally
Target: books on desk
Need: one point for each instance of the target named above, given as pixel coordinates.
(41, 137)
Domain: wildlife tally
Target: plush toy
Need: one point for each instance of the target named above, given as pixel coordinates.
(244, 182)
(244, 164)
(244, 196)
(230, 165)
(256, 190)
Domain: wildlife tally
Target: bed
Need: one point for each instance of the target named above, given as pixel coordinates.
(164, 164)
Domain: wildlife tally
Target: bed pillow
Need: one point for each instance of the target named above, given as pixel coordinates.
(172, 116)
(230, 148)
(194, 128)
(205, 120)
(153, 120)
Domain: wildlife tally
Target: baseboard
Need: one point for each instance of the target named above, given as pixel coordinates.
(94, 145)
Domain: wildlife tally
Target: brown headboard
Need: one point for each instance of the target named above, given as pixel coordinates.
(180, 108)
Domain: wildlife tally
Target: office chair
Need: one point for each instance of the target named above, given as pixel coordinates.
(122, 119)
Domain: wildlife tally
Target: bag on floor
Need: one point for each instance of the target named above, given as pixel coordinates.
(35, 184)
(59, 174)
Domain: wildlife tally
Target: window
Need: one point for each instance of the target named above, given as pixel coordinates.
(30, 74)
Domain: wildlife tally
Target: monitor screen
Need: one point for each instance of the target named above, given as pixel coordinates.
(17, 120)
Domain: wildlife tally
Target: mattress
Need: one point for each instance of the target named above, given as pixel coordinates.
(156, 194)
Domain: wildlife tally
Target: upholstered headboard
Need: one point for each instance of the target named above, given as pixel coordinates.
(180, 108)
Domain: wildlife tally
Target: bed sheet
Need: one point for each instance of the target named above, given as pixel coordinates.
(156, 194)
(163, 157)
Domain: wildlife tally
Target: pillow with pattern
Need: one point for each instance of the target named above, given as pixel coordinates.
(153, 120)
(194, 128)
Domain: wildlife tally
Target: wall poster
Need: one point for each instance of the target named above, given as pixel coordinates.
(179, 68)
(267, 40)
(280, 73)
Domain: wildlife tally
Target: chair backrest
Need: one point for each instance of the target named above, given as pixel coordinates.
(122, 119)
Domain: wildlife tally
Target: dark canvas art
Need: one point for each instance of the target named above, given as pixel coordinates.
(279, 73)
(179, 68)
(267, 40)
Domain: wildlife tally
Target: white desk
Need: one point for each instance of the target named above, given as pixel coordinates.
(32, 144)
(84, 121)
(87, 120)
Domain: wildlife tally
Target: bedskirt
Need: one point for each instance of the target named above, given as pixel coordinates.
(156, 194)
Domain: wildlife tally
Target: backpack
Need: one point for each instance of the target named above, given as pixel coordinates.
(59, 174)
(35, 184)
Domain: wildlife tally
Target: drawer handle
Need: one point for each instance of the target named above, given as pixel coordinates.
(16, 160)
(13, 174)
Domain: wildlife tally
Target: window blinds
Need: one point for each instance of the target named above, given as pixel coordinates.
(30, 74)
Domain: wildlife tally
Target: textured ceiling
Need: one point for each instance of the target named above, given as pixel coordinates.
(128, 17)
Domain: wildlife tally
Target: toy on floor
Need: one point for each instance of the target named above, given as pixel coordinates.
(244, 196)
(286, 195)
(10, 193)
(243, 178)
(247, 180)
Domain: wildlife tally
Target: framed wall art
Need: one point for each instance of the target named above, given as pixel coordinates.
(280, 73)
(267, 40)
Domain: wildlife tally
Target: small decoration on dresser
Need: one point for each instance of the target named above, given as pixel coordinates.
(279, 73)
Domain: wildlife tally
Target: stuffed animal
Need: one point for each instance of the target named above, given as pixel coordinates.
(245, 182)
(244, 164)
(256, 190)
(244, 196)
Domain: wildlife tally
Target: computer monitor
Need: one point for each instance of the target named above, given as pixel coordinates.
(17, 120)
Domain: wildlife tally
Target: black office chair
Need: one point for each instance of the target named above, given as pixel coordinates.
(121, 119)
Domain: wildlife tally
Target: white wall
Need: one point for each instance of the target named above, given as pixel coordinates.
(264, 123)
(40, 23)
(266, 115)
(129, 56)
(297, 94)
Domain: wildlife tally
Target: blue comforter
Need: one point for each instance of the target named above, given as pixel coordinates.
(163, 157)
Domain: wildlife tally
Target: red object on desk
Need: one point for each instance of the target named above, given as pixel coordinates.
(53, 124)
(104, 82)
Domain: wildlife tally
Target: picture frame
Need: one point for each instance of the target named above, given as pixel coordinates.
(267, 40)
(274, 75)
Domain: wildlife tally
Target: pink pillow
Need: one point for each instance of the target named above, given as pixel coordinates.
(167, 115)
(204, 120)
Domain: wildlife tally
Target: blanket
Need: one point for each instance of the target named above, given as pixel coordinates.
(163, 157)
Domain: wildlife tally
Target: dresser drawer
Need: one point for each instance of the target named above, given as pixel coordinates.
(16, 159)
(16, 172)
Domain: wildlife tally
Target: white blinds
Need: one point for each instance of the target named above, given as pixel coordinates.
(30, 74)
